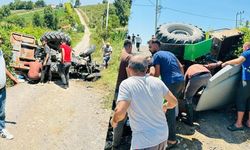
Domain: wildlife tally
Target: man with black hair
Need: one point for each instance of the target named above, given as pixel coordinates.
(166, 65)
(122, 75)
(46, 70)
(66, 55)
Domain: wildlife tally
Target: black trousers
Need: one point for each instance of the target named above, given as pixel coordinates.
(46, 71)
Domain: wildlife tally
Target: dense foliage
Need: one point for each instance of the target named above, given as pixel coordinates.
(115, 34)
(33, 23)
(77, 3)
(123, 10)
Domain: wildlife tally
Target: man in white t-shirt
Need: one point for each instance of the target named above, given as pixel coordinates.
(138, 42)
(107, 51)
(3, 72)
(142, 97)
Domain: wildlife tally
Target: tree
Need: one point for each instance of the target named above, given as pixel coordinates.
(77, 3)
(5, 11)
(40, 3)
(56, 21)
(104, 1)
(29, 5)
(37, 20)
(49, 17)
(123, 10)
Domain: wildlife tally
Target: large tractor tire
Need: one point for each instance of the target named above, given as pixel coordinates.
(55, 38)
(179, 33)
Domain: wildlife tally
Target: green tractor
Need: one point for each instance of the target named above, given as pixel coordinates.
(191, 45)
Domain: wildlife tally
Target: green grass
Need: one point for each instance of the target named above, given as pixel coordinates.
(6, 29)
(94, 13)
(23, 11)
(109, 75)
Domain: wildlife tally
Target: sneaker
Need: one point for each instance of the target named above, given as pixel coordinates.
(5, 134)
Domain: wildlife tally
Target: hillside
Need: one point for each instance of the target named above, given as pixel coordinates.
(33, 22)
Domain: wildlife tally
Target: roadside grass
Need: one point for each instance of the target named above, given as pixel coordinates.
(108, 78)
(94, 13)
(24, 11)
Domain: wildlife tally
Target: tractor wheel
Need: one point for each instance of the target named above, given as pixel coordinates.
(54, 38)
(179, 33)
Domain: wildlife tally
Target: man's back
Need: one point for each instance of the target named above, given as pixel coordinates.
(147, 118)
(67, 52)
(169, 69)
(35, 69)
(138, 39)
(122, 74)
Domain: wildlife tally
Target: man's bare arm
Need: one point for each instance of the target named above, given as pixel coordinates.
(157, 70)
(180, 66)
(11, 76)
(171, 100)
(120, 112)
(235, 61)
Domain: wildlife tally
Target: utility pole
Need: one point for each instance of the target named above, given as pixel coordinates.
(240, 21)
(242, 12)
(156, 13)
(107, 21)
(107, 17)
(236, 20)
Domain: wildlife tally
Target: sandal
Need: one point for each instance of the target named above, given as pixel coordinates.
(173, 145)
(246, 125)
(233, 127)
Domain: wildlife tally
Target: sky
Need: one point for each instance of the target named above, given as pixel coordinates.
(83, 2)
(206, 14)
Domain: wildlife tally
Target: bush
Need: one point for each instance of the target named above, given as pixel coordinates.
(80, 28)
(17, 20)
(37, 20)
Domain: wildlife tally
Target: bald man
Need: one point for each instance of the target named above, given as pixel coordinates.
(142, 96)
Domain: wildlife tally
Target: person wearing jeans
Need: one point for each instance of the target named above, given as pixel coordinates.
(166, 65)
(3, 72)
(66, 53)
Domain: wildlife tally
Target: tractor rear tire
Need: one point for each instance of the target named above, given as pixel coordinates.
(179, 33)
(55, 38)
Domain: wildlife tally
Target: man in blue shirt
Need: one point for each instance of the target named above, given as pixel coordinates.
(243, 95)
(166, 65)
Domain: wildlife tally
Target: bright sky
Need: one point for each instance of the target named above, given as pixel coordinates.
(83, 2)
(206, 14)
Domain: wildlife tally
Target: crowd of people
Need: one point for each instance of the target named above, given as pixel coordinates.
(139, 95)
(38, 69)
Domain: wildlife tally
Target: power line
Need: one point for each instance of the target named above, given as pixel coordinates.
(143, 5)
(185, 12)
(150, 1)
(198, 15)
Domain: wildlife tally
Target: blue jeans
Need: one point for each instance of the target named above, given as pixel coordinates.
(106, 60)
(2, 107)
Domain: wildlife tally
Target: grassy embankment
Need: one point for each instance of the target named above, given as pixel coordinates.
(109, 76)
(22, 23)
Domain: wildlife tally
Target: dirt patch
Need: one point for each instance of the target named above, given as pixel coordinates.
(49, 117)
